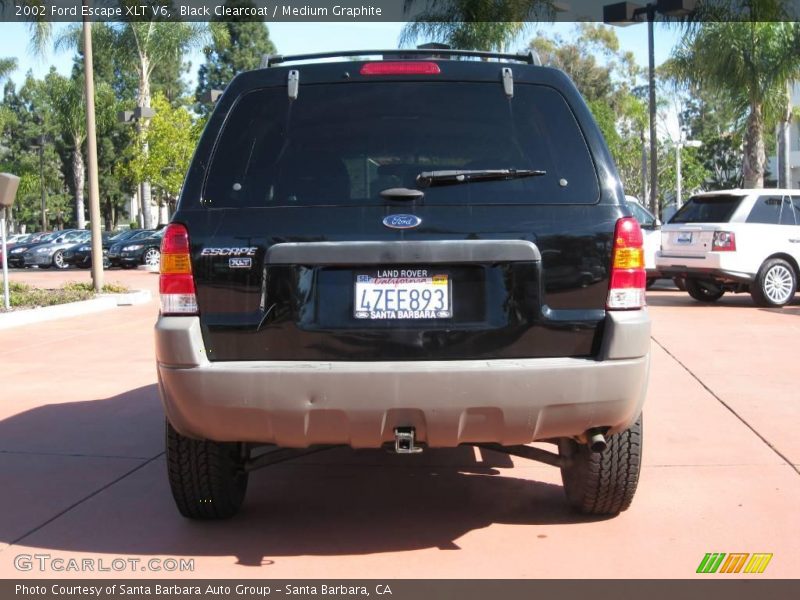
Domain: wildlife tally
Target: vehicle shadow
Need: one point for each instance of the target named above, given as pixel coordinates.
(677, 299)
(338, 502)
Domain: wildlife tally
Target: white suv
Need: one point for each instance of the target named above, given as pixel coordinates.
(735, 241)
(651, 234)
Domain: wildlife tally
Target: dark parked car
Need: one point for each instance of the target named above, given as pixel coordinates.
(13, 240)
(16, 255)
(144, 250)
(361, 256)
(115, 247)
(80, 255)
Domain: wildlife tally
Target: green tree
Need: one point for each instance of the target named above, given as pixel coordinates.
(472, 24)
(7, 65)
(29, 148)
(608, 79)
(708, 118)
(171, 139)
(748, 64)
(247, 41)
(144, 48)
(67, 100)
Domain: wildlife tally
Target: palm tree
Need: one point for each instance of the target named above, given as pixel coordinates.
(7, 65)
(141, 46)
(749, 64)
(68, 100)
(473, 24)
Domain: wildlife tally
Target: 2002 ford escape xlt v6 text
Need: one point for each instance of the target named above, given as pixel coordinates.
(407, 252)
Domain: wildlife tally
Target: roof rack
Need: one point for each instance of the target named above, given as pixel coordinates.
(530, 57)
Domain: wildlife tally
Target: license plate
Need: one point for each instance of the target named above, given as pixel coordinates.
(684, 237)
(402, 294)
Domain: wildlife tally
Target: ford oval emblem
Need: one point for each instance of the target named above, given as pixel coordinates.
(402, 221)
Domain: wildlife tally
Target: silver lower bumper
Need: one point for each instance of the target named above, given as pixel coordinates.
(297, 404)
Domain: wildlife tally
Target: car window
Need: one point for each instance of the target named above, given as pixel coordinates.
(344, 144)
(707, 209)
(640, 214)
(787, 212)
(767, 210)
(122, 235)
(796, 205)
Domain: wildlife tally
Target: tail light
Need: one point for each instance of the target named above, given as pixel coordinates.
(628, 278)
(724, 241)
(176, 283)
(400, 68)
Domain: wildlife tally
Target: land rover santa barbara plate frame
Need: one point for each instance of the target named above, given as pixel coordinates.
(402, 293)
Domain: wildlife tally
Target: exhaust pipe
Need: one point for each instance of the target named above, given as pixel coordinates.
(597, 441)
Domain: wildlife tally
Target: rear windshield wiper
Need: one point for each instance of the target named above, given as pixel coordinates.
(432, 178)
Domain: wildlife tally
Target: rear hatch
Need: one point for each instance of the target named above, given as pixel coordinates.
(304, 249)
(690, 232)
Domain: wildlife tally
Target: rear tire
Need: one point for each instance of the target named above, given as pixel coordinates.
(704, 291)
(603, 483)
(680, 283)
(650, 283)
(207, 479)
(775, 284)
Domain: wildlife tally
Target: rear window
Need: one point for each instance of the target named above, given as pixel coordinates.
(341, 144)
(707, 209)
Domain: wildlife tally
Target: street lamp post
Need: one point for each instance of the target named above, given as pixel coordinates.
(678, 182)
(628, 13)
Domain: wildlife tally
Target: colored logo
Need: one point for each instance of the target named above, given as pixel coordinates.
(719, 562)
(402, 221)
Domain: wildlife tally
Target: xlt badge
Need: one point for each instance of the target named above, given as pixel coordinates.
(240, 263)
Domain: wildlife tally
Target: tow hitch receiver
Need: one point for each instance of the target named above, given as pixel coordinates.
(404, 441)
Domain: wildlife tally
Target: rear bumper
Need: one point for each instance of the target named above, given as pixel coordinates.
(297, 404)
(712, 265)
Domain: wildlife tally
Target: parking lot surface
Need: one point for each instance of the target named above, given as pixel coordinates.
(83, 472)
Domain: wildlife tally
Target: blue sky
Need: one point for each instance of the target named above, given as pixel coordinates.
(296, 38)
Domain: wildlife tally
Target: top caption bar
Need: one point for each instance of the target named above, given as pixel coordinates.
(271, 11)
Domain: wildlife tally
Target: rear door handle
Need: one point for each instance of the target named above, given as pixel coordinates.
(794, 241)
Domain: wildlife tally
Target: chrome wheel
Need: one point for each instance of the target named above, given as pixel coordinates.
(779, 284)
(58, 260)
(152, 258)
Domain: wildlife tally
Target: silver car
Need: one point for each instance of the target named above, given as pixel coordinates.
(52, 254)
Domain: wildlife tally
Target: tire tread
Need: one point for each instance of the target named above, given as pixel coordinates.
(604, 483)
(206, 481)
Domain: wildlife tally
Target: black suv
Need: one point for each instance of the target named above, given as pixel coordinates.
(408, 252)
